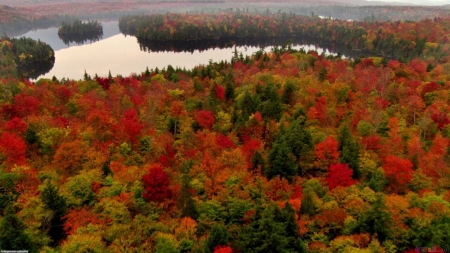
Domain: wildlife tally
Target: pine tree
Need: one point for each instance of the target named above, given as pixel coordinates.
(271, 107)
(281, 161)
(349, 149)
(186, 202)
(298, 139)
(287, 93)
(308, 206)
(267, 232)
(57, 204)
(12, 233)
(377, 220)
(229, 91)
(258, 161)
(218, 236)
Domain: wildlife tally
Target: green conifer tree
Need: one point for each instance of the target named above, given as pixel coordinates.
(57, 204)
(12, 233)
(349, 149)
(186, 202)
(281, 161)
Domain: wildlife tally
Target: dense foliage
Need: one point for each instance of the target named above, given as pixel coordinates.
(79, 28)
(22, 53)
(400, 40)
(283, 151)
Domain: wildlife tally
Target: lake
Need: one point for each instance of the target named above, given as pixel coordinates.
(124, 55)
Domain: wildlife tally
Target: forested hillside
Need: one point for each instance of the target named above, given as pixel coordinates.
(280, 152)
(401, 40)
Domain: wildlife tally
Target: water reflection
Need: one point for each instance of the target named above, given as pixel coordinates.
(35, 70)
(202, 45)
(124, 55)
(80, 39)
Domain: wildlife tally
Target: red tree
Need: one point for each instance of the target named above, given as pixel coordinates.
(204, 119)
(398, 172)
(12, 148)
(339, 175)
(222, 249)
(327, 152)
(131, 125)
(156, 185)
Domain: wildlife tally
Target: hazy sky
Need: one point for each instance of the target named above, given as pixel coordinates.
(419, 2)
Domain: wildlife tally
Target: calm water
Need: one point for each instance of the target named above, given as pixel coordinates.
(124, 55)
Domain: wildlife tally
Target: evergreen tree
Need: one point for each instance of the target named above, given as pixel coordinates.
(8, 192)
(186, 202)
(377, 220)
(308, 206)
(298, 139)
(287, 93)
(229, 91)
(271, 107)
(281, 161)
(57, 204)
(349, 149)
(258, 161)
(218, 236)
(12, 233)
(293, 237)
(267, 232)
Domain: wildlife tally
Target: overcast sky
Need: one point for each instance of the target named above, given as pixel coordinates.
(420, 2)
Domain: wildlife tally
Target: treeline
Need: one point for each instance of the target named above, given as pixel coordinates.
(284, 151)
(400, 40)
(80, 28)
(26, 51)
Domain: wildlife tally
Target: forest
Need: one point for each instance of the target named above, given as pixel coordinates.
(80, 28)
(22, 52)
(283, 151)
(400, 40)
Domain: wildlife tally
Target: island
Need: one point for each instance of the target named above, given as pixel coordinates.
(80, 32)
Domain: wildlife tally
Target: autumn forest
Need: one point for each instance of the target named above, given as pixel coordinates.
(282, 151)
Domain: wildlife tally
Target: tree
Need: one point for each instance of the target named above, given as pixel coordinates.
(339, 175)
(398, 172)
(327, 153)
(349, 149)
(267, 232)
(281, 161)
(185, 201)
(376, 220)
(205, 119)
(229, 91)
(271, 107)
(308, 206)
(298, 139)
(292, 231)
(218, 236)
(57, 204)
(156, 184)
(12, 148)
(12, 233)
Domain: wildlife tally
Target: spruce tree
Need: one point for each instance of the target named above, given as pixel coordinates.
(281, 161)
(229, 91)
(12, 233)
(298, 139)
(308, 206)
(186, 202)
(218, 236)
(258, 161)
(271, 107)
(349, 149)
(57, 204)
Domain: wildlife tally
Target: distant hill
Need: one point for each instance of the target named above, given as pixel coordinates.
(323, 2)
